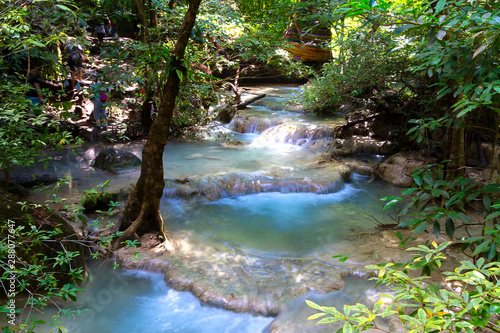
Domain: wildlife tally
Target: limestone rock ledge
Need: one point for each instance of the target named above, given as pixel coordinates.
(230, 279)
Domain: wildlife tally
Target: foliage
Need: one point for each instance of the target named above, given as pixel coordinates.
(433, 201)
(28, 41)
(444, 55)
(366, 65)
(40, 274)
(470, 297)
(24, 134)
(29, 38)
(467, 301)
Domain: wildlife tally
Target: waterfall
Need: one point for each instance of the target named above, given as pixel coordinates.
(248, 125)
(215, 187)
(306, 136)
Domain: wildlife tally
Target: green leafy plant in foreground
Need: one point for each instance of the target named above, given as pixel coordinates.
(44, 278)
(467, 299)
(435, 201)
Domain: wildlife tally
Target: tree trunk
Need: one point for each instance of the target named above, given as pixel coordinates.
(455, 167)
(142, 209)
(153, 17)
(144, 21)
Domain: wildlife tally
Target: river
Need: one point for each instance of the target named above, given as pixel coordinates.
(258, 220)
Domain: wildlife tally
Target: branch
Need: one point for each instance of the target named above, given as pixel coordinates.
(352, 123)
(250, 101)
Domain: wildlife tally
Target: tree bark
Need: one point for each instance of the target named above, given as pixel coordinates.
(153, 17)
(141, 213)
(455, 167)
(144, 21)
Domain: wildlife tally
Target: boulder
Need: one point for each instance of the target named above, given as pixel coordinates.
(115, 160)
(398, 168)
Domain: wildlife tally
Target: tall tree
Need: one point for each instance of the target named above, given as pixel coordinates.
(142, 209)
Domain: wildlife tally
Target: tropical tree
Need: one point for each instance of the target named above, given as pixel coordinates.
(141, 213)
(444, 54)
(29, 41)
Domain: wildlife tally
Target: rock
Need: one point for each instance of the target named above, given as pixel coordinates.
(360, 146)
(360, 167)
(246, 124)
(226, 113)
(233, 144)
(115, 160)
(15, 189)
(398, 168)
(224, 278)
(329, 177)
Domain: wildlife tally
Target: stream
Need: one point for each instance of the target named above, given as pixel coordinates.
(257, 221)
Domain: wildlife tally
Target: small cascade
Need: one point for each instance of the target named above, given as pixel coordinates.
(327, 180)
(272, 103)
(306, 136)
(245, 124)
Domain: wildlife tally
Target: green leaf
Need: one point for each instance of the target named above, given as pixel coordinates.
(450, 228)
(428, 178)
(409, 191)
(491, 188)
(472, 239)
(402, 28)
(63, 7)
(481, 248)
(328, 320)
(440, 5)
(464, 218)
(62, 329)
(432, 40)
(179, 74)
(492, 216)
(421, 227)
(436, 228)
(316, 316)
(409, 222)
(355, 13)
(313, 305)
(372, 3)
(347, 327)
(479, 50)
(486, 202)
(492, 252)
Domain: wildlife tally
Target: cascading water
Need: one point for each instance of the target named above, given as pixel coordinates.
(256, 224)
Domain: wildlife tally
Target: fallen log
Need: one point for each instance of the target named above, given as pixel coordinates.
(250, 101)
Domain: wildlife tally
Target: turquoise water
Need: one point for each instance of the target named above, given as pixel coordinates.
(278, 223)
(118, 301)
(289, 223)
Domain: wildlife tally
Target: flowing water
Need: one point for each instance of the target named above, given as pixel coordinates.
(262, 197)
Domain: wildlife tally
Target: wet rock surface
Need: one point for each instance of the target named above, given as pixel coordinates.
(247, 124)
(360, 146)
(237, 281)
(398, 169)
(321, 177)
(115, 160)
